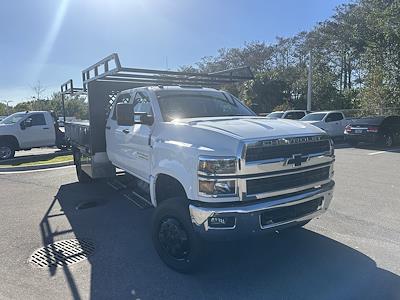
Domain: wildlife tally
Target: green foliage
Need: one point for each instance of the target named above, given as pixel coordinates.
(74, 106)
(356, 62)
(3, 109)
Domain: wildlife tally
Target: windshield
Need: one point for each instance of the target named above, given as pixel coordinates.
(12, 119)
(275, 115)
(314, 117)
(186, 104)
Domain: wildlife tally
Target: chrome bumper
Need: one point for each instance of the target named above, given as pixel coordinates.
(248, 217)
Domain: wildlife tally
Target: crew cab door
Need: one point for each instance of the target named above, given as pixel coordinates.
(136, 148)
(334, 124)
(36, 131)
(128, 146)
(115, 136)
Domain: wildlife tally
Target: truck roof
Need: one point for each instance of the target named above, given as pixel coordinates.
(180, 88)
(326, 111)
(33, 111)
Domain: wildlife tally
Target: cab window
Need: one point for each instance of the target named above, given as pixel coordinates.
(37, 120)
(295, 115)
(141, 103)
(334, 117)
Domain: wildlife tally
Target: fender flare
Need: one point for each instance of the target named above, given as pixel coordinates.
(10, 139)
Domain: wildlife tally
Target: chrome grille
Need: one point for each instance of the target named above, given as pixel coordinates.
(286, 147)
(286, 181)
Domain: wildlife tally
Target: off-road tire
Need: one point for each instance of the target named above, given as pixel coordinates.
(171, 225)
(9, 151)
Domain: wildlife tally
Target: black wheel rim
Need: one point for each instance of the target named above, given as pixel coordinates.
(389, 141)
(174, 239)
(5, 152)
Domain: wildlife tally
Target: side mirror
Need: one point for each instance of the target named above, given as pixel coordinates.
(26, 123)
(125, 114)
(146, 119)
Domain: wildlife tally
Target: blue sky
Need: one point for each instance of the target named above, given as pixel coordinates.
(53, 40)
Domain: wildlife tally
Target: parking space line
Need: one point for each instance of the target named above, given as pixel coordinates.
(381, 152)
(375, 153)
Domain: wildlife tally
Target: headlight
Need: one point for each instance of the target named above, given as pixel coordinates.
(217, 165)
(332, 147)
(217, 187)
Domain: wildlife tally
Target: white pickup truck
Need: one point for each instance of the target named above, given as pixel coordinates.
(211, 168)
(332, 122)
(27, 130)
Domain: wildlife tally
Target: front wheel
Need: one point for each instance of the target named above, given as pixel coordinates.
(6, 151)
(174, 238)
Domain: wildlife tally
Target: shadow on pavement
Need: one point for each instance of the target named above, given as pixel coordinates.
(295, 264)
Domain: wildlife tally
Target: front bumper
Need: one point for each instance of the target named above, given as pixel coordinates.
(248, 216)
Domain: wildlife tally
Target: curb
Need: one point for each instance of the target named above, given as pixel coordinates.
(36, 157)
(39, 167)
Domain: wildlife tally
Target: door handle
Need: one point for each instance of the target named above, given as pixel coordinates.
(45, 128)
(126, 131)
(108, 127)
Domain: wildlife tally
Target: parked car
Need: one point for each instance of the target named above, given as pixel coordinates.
(27, 130)
(289, 114)
(332, 122)
(210, 166)
(382, 130)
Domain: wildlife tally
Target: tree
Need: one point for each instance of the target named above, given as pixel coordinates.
(39, 89)
(356, 62)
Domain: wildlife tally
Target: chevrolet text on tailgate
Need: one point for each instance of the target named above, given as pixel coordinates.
(211, 168)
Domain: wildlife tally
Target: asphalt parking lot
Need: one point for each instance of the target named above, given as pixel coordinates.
(351, 252)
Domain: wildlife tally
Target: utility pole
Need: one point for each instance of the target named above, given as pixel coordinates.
(309, 88)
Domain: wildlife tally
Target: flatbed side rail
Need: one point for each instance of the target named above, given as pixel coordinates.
(78, 135)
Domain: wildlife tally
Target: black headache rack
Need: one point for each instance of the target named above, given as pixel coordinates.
(105, 79)
(109, 69)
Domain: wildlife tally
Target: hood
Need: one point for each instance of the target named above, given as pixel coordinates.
(6, 128)
(222, 136)
(244, 128)
(312, 122)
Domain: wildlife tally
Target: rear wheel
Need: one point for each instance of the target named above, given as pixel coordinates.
(174, 238)
(388, 140)
(6, 151)
(82, 176)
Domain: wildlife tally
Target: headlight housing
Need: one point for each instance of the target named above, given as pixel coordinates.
(217, 188)
(210, 165)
